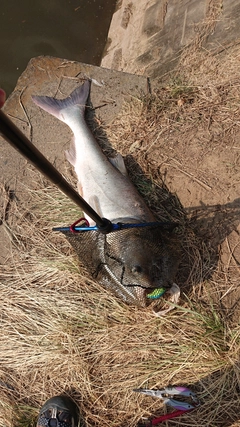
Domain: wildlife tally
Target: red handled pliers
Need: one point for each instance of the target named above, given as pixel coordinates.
(166, 395)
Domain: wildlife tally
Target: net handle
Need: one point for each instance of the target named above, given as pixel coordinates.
(21, 143)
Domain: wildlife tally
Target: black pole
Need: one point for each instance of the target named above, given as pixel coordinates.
(20, 142)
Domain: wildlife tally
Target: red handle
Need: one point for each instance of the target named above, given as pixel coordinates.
(168, 416)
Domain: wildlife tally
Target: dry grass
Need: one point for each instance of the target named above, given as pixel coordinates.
(61, 332)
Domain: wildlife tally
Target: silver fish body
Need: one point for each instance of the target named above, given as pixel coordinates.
(130, 262)
(100, 182)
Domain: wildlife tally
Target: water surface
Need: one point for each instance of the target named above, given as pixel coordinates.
(70, 29)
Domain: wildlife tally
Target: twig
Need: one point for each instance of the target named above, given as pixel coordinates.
(26, 114)
(206, 186)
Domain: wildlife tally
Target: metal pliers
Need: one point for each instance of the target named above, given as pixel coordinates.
(166, 395)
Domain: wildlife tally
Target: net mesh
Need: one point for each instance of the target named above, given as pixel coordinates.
(130, 262)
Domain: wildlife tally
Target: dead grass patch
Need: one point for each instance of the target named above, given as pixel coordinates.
(62, 332)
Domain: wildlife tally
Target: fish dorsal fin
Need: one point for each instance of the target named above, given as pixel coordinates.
(119, 164)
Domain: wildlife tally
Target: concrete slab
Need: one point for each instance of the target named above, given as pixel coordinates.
(227, 28)
(53, 77)
(156, 31)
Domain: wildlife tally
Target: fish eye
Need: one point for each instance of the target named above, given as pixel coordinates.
(136, 269)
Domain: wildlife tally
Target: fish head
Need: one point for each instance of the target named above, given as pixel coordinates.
(131, 262)
(143, 259)
(146, 265)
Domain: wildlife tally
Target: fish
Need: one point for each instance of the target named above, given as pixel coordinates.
(102, 182)
(135, 261)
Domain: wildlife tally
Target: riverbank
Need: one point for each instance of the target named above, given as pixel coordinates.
(61, 331)
(149, 37)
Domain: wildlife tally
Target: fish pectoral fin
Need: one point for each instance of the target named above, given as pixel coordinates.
(119, 164)
(80, 190)
(71, 153)
(94, 203)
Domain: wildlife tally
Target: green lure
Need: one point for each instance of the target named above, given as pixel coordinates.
(156, 293)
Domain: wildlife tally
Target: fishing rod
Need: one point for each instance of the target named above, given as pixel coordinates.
(21, 143)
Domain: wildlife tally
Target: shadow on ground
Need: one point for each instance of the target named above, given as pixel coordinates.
(201, 230)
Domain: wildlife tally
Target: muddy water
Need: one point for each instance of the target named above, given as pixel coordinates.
(70, 29)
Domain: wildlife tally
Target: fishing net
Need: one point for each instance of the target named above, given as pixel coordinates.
(129, 262)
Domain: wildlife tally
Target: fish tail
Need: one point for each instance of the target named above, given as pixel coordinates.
(56, 106)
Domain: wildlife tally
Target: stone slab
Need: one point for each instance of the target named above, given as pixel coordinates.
(152, 35)
(227, 28)
(155, 32)
(54, 77)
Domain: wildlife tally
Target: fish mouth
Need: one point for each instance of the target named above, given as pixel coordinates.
(142, 294)
(168, 303)
(148, 295)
